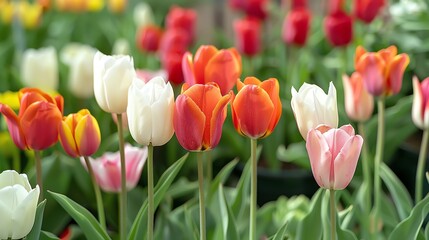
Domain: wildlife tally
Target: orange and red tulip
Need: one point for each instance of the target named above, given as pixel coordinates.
(199, 115)
(36, 125)
(257, 108)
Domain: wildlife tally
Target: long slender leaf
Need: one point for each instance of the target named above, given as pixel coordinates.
(409, 228)
(37, 227)
(48, 236)
(220, 178)
(230, 230)
(86, 221)
(280, 233)
(312, 219)
(138, 228)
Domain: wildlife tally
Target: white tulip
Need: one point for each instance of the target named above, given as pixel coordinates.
(312, 107)
(39, 68)
(112, 78)
(150, 111)
(121, 47)
(80, 59)
(143, 15)
(18, 204)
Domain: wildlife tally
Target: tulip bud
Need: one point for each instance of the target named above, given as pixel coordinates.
(143, 15)
(296, 26)
(339, 28)
(312, 107)
(39, 68)
(150, 111)
(248, 36)
(333, 155)
(420, 110)
(107, 168)
(367, 10)
(182, 18)
(112, 78)
(149, 38)
(121, 47)
(18, 204)
(358, 102)
(257, 108)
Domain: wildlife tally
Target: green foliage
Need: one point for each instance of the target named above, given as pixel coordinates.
(37, 227)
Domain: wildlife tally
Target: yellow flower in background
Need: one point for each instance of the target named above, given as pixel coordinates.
(11, 99)
(117, 6)
(28, 14)
(95, 5)
(6, 12)
(71, 5)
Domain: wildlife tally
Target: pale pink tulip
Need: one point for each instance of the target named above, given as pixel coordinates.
(107, 168)
(420, 112)
(359, 103)
(333, 154)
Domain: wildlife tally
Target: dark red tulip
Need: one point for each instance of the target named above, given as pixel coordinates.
(182, 18)
(248, 36)
(296, 26)
(338, 25)
(367, 10)
(149, 38)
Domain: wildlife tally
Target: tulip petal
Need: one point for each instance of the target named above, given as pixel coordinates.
(135, 159)
(320, 157)
(10, 178)
(223, 69)
(396, 69)
(87, 135)
(188, 69)
(25, 213)
(67, 140)
(417, 109)
(217, 120)
(346, 161)
(14, 126)
(203, 55)
(358, 54)
(271, 86)
(162, 117)
(371, 67)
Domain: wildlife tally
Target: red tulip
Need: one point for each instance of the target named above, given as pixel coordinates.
(256, 8)
(149, 38)
(248, 36)
(212, 65)
(338, 25)
(173, 46)
(199, 115)
(36, 125)
(367, 10)
(296, 26)
(182, 18)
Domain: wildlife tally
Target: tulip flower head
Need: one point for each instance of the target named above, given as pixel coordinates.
(112, 78)
(212, 65)
(333, 154)
(143, 15)
(358, 102)
(381, 71)
(257, 108)
(312, 107)
(248, 36)
(296, 26)
(18, 204)
(338, 25)
(420, 110)
(107, 168)
(199, 114)
(36, 125)
(182, 18)
(150, 111)
(79, 134)
(367, 10)
(149, 37)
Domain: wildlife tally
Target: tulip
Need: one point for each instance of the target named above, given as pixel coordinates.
(420, 113)
(150, 111)
(296, 26)
(71, 5)
(143, 15)
(112, 78)
(39, 68)
(94, 5)
(381, 71)
(10, 98)
(338, 25)
(182, 18)
(312, 107)
(146, 75)
(117, 6)
(80, 59)
(252, 8)
(172, 63)
(149, 38)
(367, 10)
(79, 134)
(248, 36)
(199, 114)
(173, 45)
(359, 103)
(107, 168)
(121, 47)
(212, 65)
(18, 204)
(36, 125)
(257, 108)
(333, 155)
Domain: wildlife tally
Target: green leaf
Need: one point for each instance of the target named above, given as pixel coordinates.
(138, 228)
(313, 219)
(294, 153)
(220, 178)
(409, 228)
(229, 227)
(280, 233)
(48, 236)
(35, 231)
(427, 232)
(89, 225)
(398, 191)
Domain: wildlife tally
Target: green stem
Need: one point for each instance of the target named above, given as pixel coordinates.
(201, 195)
(253, 190)
(333, 214)
(377, 162)
(209, 166)
(151, 204)
(39, 177)
(98, 198)
(421, 166)
(16, 160)
(123, 193)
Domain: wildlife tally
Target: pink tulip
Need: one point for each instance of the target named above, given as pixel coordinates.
(333, 154)
(420, 112)
(358, 102)
(107, 168)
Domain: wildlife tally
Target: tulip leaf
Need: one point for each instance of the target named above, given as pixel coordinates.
(48, 236)
(220, 178)
(398, 191)
(427, 232)
(35, 231)
(229, 226)
(86, 221)
(280, 233)
(313, 218)
(138, 228)
(409, 228)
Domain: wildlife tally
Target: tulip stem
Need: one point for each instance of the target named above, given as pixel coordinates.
(123, 193)
(209, 166)
(421, 166)
(201, 193)
(39, 178)
(253, 190)
(98, 198)
(151, 209)
(377, 162)
(333, 213)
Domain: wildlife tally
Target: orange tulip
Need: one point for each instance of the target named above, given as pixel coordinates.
(79, 134)
(382, 71)
(212, 65)
(199, 115)
(257, 108)
(36, 125)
